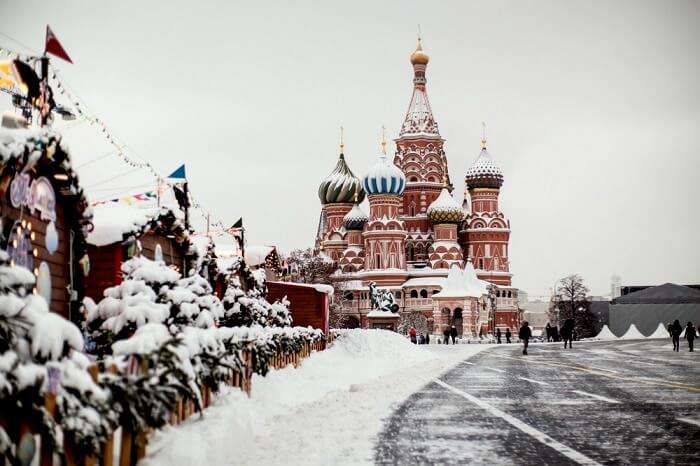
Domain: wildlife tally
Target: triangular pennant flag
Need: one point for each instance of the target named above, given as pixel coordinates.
(54, 47)
(179, 173)
(238, 224)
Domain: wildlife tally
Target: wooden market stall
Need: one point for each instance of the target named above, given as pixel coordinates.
(43, 215)
(123, 230)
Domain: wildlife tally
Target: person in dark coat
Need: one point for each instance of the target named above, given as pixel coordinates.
(548, 332)
(427, 338)
(453, 334)
(567, 332)
(508, 335)
(446, 335)
(421, 339)
(498, 336)
(525, 334)
(690, 335)
(676, 331)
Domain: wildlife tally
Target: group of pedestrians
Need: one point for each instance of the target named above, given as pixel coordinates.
(499, 334)
(422, 339)
(567, 332)
(675, 330)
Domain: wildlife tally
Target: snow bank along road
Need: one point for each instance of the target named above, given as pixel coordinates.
(328, 411)
(623, 402)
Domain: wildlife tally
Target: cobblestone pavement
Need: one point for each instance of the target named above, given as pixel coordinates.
(623, 402)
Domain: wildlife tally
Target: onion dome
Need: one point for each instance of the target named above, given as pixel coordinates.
(445, 209)
(355, 219)
(340, 186)
(484, 173)
(384, 178)
(419, 57)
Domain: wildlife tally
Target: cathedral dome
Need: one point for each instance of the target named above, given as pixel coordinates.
(484, 173)
(355, 219)
(384, 178)
(340, 186)
(445, 209)
(419, 57)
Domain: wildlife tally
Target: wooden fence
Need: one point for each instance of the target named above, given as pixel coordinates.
(125, 448)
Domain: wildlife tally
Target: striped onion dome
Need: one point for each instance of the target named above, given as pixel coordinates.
(445, 209)
(355, 219)
(384, 178)
(340, 186)
(484, 173)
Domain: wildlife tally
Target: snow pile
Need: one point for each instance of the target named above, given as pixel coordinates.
(660, 332)
(632, 334)
(605, 334)
(325, 412)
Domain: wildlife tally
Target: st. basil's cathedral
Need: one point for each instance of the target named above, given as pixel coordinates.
(445, 262)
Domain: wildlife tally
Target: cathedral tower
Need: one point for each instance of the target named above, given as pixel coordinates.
(385, 234)
(337, 193)
(486, 231)
(420, 156)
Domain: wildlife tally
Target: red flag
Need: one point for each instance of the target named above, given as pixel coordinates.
(54, 47)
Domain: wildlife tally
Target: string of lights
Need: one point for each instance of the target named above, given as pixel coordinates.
(125, 153)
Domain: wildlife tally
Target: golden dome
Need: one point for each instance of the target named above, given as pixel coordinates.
(419, 57)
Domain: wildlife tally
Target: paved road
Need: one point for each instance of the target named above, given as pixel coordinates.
(632, 402)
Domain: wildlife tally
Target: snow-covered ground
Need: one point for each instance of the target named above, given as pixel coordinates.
(328, 411)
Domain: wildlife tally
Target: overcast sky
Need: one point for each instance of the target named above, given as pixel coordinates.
(592, 107)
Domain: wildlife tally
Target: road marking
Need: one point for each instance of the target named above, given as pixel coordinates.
(533, 381)
(494, 369)
(687, 420)
(538, 435)
(597, 397)
(604, 374)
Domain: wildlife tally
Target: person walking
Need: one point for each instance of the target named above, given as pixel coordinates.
(453, 334)
(498, 336)
(690, 335)
(508, 335)
(421, 339)
(525, 334)
(446, 335)
(548, 332)
(427, 338)
(412, 335)
(676, 331)
(567, 332)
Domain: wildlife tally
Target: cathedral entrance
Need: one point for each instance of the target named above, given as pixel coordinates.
(458, 321)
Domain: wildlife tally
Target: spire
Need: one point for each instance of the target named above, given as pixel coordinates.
(483, 135)
(382, 142)
(342, 141)
(419, 119)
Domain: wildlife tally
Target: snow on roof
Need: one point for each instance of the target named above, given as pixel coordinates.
(114, 221)
(377, 313)
(320, 287)
(462, 283)
(424, 281)
(256, 255)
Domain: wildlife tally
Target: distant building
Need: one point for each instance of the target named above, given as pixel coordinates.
(615, 286)
(647, 307)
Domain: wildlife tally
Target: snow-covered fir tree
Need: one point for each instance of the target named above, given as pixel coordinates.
(151, 292)
(245, 302)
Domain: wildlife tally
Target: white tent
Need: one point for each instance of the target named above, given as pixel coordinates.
(632, 334)
(660, 332)
(605, 334)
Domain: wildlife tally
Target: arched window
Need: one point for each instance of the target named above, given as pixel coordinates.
(423, 293)
(509, 294)
(481, 264)
(409, 252)
(411, 209)
(377, 261)
(414, 293)
(398, 295)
